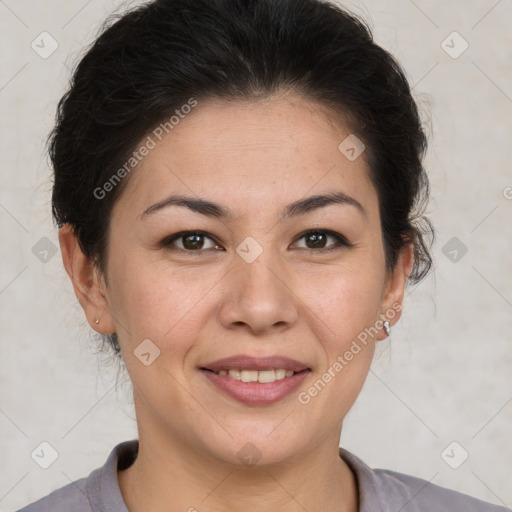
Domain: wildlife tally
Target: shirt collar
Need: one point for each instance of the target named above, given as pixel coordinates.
(105, 493)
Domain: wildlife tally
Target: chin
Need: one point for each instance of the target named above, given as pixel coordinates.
(257, 443)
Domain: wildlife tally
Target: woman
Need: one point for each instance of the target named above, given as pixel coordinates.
(238, 186)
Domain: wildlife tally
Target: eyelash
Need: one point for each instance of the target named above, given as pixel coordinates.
(342, 242)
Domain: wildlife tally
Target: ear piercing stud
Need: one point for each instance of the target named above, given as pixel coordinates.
(386, 327)
(97, 321)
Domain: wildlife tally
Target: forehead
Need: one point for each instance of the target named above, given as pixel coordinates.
(244, 151)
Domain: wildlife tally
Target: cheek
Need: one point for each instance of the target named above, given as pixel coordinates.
(344, 309)
(169, 305)
(345, 299)
(345, 304)
(153, 301)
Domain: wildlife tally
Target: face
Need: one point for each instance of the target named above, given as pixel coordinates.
(267, 287)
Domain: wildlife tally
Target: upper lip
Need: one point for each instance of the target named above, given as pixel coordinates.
(246, 362)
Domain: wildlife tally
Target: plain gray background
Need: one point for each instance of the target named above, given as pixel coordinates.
(444, 375)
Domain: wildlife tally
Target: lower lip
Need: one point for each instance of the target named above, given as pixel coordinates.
(256, 393)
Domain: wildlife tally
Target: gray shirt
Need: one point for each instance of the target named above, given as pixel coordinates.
(380, 490)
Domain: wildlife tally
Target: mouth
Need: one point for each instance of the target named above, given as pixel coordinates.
(262, 376)
(256, 381)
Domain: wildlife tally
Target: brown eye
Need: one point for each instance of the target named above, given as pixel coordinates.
(190, 241)
(193, 242)
(317, 240)
(197, 241)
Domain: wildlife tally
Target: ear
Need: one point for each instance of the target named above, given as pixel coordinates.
(87, 281)
(394, 290)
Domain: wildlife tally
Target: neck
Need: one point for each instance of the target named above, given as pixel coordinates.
(167, 472)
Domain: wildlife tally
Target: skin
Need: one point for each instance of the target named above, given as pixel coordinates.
(200, 306)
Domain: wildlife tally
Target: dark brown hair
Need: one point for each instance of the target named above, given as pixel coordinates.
(148, 62)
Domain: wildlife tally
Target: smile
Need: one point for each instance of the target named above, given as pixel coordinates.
(262, 376)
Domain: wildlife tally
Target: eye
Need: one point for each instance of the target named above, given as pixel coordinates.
(316, 240)
(194, 241)
(191, 241)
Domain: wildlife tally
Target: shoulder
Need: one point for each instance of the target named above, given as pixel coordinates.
(425, 494)
(70, 497)
(388, 491)
(98, 492)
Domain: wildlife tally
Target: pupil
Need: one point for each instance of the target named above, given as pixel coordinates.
(317, 238)
(195, 243)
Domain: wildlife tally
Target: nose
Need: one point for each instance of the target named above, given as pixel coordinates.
(258, 296)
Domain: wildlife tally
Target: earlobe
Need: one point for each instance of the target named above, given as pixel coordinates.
(86, 280)
(395, 289)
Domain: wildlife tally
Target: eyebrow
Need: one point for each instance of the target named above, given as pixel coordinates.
(211, 209)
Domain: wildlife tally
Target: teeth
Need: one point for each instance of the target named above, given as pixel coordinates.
(249, 376)
(280, 374)
(234, 374)
(262, 376)
(266, 376)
